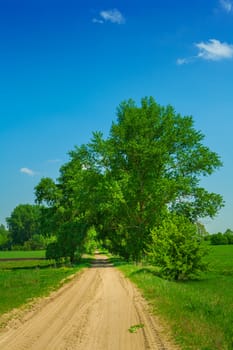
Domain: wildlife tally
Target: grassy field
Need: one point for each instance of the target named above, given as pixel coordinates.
(200, 312)
(22, 254)
(22, 281)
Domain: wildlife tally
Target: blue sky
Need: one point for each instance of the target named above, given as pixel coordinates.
(65, 65)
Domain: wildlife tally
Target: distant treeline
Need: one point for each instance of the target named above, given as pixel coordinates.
(221, 238)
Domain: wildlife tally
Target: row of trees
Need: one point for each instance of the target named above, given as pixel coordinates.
(139, 188)
(27, 231)
(24, 229)
(222, 238)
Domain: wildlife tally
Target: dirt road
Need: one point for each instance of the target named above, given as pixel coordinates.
(92, 312)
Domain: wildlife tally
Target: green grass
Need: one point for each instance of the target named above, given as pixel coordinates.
(22, 254)
(199, 312)
(21, 281)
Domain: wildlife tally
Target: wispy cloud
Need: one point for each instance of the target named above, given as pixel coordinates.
(113, 16)
(28, 171)
(226, 5)
(99, 21)
(181, 61)
(212, 50)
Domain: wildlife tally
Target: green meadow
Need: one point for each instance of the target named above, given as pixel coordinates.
(23, 280)
(22, 254)
(199, 312)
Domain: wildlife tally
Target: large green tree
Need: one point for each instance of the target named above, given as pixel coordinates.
(125, 185)
(152, 162)
(24, 222)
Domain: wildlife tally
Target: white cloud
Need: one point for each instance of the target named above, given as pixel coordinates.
(181, 61)
(28, 171)
(95, 20)
(227, 5)
(214, 50)
(113, 16)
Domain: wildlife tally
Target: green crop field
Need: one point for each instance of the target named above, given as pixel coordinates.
(21, 281)
(199, 312)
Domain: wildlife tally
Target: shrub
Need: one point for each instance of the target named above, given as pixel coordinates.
(218, 239)
(36, 242)
(177, 248)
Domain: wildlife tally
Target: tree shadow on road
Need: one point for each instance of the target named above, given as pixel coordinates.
(101, 263)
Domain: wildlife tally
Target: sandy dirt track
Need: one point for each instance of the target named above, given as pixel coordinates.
(92, 312)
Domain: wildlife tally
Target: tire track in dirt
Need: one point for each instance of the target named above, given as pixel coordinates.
(93, 312)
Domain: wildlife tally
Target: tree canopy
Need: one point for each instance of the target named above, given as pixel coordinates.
(23, 223)
(4, 237)
(150, 165)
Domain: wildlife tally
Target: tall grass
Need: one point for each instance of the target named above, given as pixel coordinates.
(200, 312)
